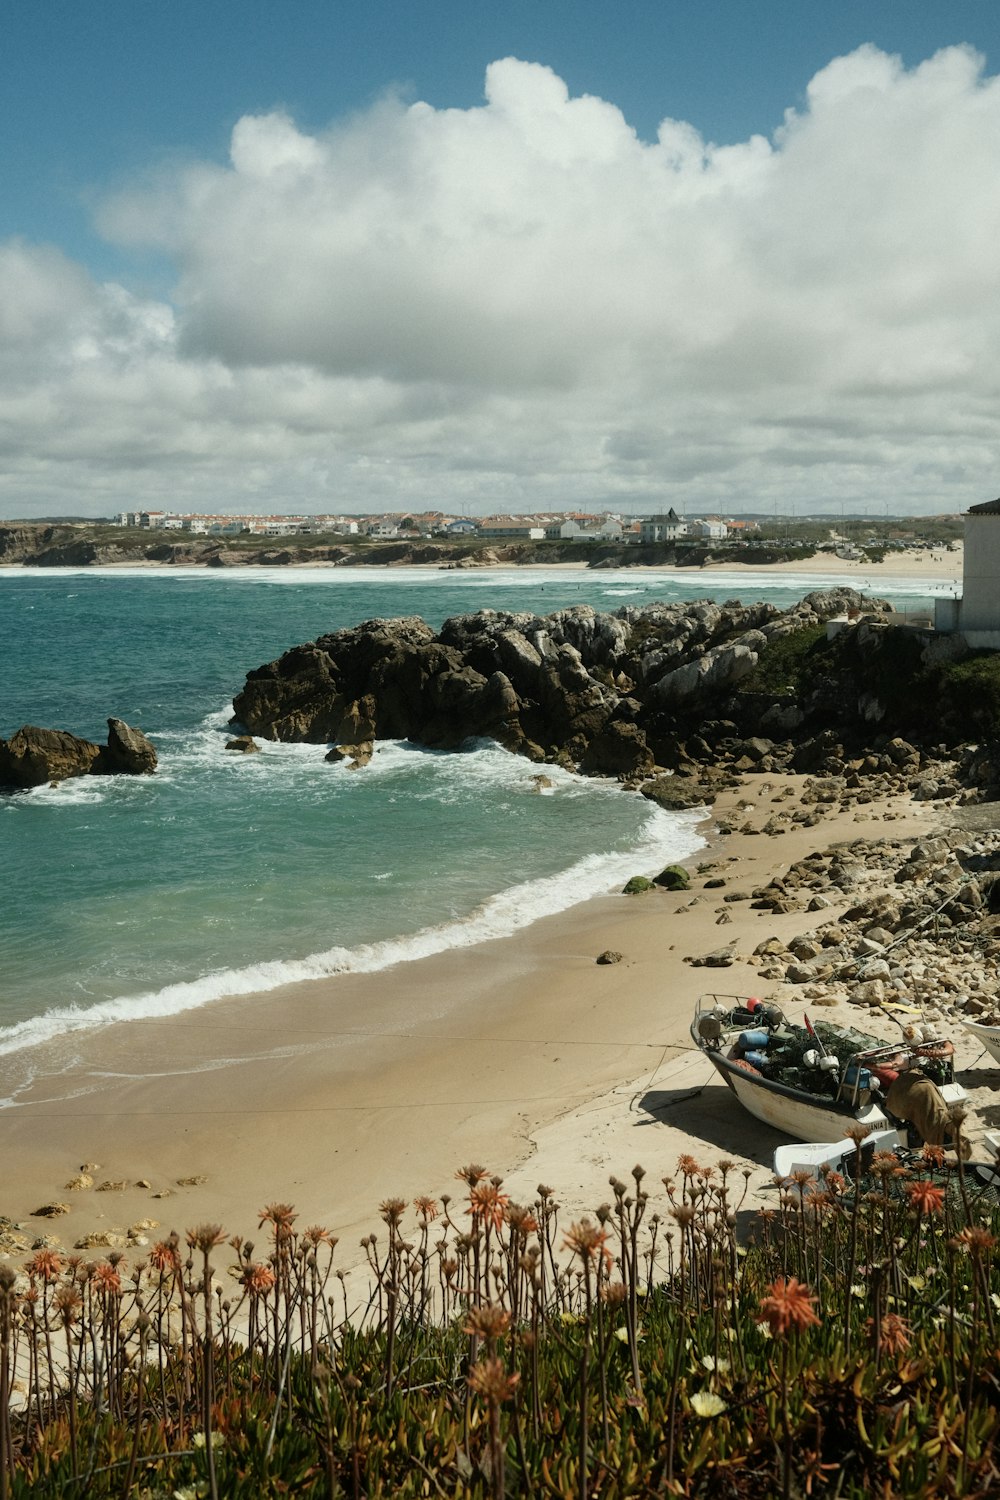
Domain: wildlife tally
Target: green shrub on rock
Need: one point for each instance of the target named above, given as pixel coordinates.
(637, 885)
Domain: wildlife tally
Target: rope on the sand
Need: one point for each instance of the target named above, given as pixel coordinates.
(691, 1094)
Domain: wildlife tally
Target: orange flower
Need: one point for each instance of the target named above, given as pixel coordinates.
(489, 1378)
(819, 1200)
(282, 1216)
(205, 1237)
(790, 1305)
(426, 1207)
(588, 1242)
(258, 1279)
(45, 1264)
(316, 1235)
(521, 1220)
(486, 1202)
(164, 1256)
(68, 1305)
(105, 1278)
(487, 1322)
(471, 1174)
(975, 1238)
(887, 1164)
(894, 1334)
(925, 1197)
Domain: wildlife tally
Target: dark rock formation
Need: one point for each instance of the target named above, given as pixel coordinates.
(707, 691)
(36, 757)
(611, 694)
(128, 752)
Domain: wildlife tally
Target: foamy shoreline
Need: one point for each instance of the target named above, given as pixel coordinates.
(522, 1053)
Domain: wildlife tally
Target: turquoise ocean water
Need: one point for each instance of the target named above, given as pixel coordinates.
(226, 874)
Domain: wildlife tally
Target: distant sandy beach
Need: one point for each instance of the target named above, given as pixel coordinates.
(939, 566)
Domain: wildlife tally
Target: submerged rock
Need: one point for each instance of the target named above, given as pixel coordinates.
(243, 744)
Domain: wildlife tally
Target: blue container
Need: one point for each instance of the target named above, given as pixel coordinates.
(858, 1077)
(751, 1040)
(758, 1060)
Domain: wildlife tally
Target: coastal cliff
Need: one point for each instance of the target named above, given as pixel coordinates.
(72, 545)
(696, 688)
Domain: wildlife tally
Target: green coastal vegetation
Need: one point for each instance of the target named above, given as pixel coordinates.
(804, 666)
(841, 1342)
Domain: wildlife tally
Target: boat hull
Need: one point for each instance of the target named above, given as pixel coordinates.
(988, 1035)
(792, 1112)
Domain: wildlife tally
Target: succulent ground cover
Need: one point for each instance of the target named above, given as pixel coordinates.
(842, 1342)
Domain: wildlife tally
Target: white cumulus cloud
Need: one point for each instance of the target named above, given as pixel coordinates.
(524, 304)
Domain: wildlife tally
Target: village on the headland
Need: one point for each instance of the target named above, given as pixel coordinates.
(851, 537)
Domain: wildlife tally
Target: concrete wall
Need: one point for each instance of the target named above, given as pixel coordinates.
(981, 575)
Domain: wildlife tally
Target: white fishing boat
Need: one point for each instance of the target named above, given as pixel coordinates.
(815, 1080)
(987, 1034)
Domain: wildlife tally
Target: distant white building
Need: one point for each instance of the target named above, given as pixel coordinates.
(976, 615)
(662, 528)
(511, 528)
(711, 529)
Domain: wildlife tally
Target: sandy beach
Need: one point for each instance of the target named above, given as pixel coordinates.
(941, 567)
(523, 1054)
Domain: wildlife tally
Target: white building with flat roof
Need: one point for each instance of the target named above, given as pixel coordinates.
(976, 615)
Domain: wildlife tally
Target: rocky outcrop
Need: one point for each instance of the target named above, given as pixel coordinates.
(34, 757)
(702, 690)
(127, 753)
(625, 694)
(37, 757)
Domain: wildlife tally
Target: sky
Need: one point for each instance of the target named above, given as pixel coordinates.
(721, 255)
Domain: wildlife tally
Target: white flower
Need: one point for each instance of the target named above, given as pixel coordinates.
(707, 1404)
(720, 1366)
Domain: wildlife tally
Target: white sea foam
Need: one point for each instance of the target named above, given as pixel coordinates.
(665, 837)
(683, 583)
